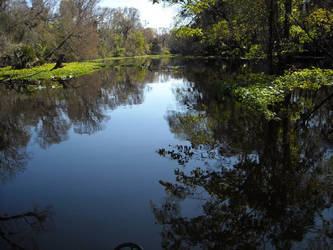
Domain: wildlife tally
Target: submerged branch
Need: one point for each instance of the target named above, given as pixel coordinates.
(308, 115)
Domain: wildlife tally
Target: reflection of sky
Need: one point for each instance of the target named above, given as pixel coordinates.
(154, 16)
(100, 185)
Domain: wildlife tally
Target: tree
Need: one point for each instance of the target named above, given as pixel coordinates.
(22, 31)
(77, 30)
(238, 28)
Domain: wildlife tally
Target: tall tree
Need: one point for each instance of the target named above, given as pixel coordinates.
(77, 30)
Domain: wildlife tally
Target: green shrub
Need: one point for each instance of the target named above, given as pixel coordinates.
(118, 52)
(256, 51)
(21, 56)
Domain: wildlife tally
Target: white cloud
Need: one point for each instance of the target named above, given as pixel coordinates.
(154, 16)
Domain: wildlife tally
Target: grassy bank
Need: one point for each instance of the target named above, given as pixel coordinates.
(70, 70)
(45, 72)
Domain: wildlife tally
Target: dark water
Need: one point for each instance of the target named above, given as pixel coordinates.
(157, 153)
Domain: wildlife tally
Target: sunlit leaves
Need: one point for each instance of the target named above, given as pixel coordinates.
(306, 79)
(187, 32)
(198, 7)
(218, 32)
(263, 93)
(322, 19)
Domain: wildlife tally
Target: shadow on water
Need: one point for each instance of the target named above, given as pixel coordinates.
(261, 184)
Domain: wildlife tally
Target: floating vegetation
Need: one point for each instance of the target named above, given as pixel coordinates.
(263, 92)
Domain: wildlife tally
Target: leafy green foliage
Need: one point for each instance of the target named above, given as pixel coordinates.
(255, 28)
(263, 92)
(260, 95)
(21, 56)
(256, 51)
(188, 32)
(313, 79)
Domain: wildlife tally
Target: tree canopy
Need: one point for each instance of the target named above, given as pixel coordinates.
(254, 28)
(32, 33)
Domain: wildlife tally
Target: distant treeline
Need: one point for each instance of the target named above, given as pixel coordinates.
(36, 31)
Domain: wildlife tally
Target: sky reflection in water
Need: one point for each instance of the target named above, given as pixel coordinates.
(160, 156)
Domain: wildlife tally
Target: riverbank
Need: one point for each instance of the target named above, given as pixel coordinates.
(45, 72)
(69, 71)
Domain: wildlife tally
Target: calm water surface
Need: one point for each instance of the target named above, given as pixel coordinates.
(159, 154)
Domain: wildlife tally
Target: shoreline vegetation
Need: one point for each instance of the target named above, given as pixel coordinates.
(45, 72)
(68, 71)
(75, 69)
(260, 92)
(265, 93)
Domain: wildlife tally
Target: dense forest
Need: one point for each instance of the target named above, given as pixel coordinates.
(35, 32)
(46, 30)
(255, 28)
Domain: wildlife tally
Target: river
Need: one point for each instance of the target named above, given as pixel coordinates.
(155, 152)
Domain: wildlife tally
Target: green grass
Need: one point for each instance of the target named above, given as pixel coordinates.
(43, 72)
(70, 70)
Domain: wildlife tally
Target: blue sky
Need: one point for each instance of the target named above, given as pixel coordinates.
(154, 16)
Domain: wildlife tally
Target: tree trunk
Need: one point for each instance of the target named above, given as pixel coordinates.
(287, 13)
(272, 30)
(59, 62)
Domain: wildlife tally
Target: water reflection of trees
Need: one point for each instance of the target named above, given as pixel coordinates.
(14, 138)
(51, 113)
(47, 116)
(17, 231)
(265, 184)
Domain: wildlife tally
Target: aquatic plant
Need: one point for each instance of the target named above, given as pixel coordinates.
(263, 92)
